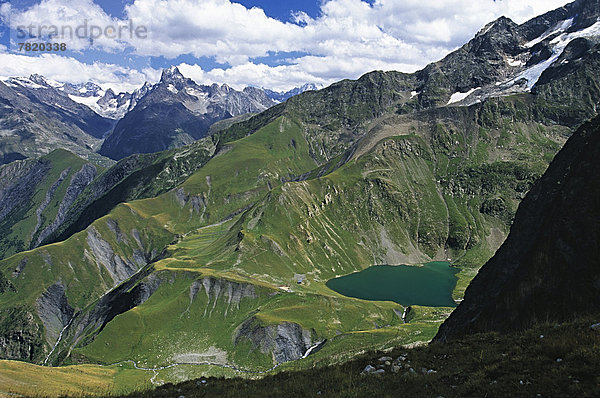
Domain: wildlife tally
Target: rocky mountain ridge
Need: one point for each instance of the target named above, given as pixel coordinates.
(95, 111)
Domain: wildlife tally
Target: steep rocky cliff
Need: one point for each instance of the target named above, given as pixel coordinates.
(548, 269)
(286, 341)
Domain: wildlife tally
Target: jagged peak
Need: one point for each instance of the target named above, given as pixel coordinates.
(109, 93)
(499, 25)
(91, 85)
(252, 89)
(38, 79)
(309, 87)
(171, 74)
(144, 89)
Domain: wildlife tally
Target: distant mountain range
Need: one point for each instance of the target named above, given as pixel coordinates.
(280, 96)
(36, 118)
(173, 112)
(115, 106)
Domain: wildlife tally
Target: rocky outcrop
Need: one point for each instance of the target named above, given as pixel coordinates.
(196, 202)
(113, 225)
(216, 288)
(548, 269)
(287, 341)
(20, 335)
(54, 311)
(79, 182)
(119, 269)
(19, 268)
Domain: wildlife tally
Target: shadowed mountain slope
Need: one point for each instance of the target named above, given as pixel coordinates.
(548, 269)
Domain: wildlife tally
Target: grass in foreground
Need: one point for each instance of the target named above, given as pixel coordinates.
(548, 360)
(28, 380)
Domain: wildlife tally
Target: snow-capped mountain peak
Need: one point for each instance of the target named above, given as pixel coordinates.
(537, 57)
(282, 96)
(171, 75)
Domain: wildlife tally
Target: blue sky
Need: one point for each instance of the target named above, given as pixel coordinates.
(283, 9)
(264, 43)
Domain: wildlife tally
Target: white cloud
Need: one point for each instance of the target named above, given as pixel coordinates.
(228, 31)
(70, 70)
(348, 38)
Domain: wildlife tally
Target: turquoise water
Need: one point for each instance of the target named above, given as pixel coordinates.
(430, 285)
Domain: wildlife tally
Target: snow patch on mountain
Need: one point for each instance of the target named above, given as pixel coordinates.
(533, 74)
(26, 82)
(196, 93)
(560, 27)
(172, 89)
(514, 62)
(88, 101)
(458, 96)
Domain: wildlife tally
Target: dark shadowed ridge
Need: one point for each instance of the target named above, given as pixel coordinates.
(549, 267)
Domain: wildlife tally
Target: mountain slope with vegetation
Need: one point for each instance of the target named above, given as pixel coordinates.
(227, 271)
(564, 362)
(48, 199)
(34, 193)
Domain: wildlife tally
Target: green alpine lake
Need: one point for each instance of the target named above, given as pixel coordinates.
(429, 285)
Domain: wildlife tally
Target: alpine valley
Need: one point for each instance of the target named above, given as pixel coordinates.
(185, 231)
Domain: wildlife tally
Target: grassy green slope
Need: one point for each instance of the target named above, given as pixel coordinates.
(485, 364)
(137, 177)
(517, 364)
(150, 225)
(41, 186)
(21, 226)
(405, 200)
(444, 191)
(435, 185)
